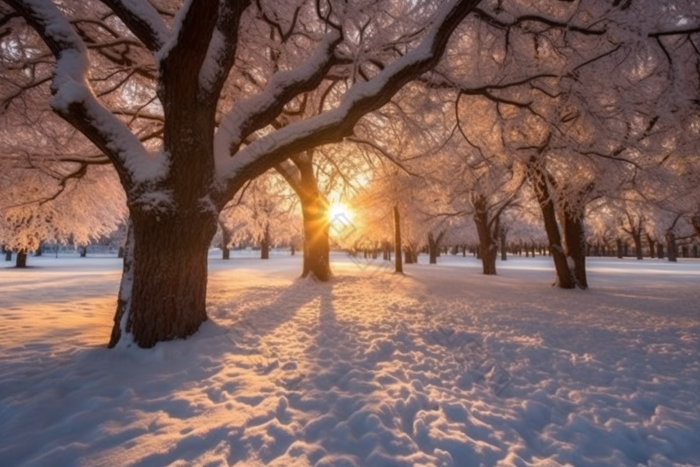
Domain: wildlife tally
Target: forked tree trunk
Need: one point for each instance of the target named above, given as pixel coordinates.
(434, 246)
(164, 282)
(398, 264)
(21, 260)
(574, 236)
(565, 278)
(637, 239)
(652, 246)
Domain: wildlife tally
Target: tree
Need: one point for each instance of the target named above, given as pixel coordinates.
(175, 194)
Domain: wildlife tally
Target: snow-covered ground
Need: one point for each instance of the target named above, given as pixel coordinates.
(444, 367)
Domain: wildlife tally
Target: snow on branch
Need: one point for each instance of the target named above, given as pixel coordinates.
(254, 113)
(142, 20)
(74, 99)
(364, 97)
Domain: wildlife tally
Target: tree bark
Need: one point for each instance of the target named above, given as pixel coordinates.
(164, 281)
(487, 243)
(620, 249)
(502, 238)
(226, 236)
(671, 246)
(314, 207)
(398, 264)
(652, 246)
(660, 250)
(574, 237)
(21, 260)
(434, 246)
(565, 279)
(265, 243)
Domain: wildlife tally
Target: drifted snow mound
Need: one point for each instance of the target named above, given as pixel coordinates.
(442, 367)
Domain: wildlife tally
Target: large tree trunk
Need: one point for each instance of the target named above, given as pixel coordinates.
(565, 279)
(574, 236)
(21, 260)
(164, 282)
(487, 243)
(398, 264)
(314, 207)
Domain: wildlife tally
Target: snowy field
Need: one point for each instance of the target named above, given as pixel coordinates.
(444, 367)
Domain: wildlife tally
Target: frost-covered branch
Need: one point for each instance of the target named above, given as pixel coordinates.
(74, 99)
(254, 113)
(142, 20)
(333, 125)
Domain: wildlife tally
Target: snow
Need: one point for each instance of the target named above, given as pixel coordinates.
(147, 13)
(228, 167)
(442, 367)
(230, 130)
(70, 86)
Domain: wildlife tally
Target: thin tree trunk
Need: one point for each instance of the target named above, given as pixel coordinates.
(40, 250)
(502, 238)
(398, 264)
(265, 243)
(226, 236)
(671, 246)
(620, 249)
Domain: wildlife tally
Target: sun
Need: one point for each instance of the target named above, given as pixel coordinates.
(339, 211)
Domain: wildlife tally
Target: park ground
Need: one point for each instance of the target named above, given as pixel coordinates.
(442, 367)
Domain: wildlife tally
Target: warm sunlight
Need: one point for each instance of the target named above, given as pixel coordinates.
(340, 211)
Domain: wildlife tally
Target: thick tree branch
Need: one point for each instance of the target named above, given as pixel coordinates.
(333, 125)
(142, 20)
(74, 99)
